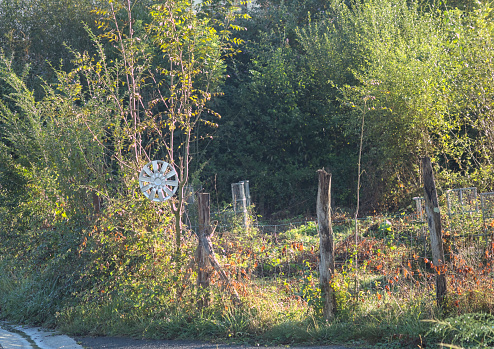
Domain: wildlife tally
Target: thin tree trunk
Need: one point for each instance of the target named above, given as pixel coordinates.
(177, 211)
(326, 244)
(435, 229)
(358, 195)
(203, 249)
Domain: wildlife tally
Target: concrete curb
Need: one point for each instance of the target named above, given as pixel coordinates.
(23, 337)
(10, 340)
(49, 339)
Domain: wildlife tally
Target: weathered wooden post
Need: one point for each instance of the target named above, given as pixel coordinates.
(435, 229)
(204, 256)
(326, 244)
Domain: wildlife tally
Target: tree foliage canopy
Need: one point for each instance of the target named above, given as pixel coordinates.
(418, 72)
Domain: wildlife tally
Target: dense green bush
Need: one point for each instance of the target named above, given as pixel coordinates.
(74, 152)
(296, 99)
(467, 330)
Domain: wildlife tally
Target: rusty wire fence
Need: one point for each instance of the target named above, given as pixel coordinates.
(467, 222)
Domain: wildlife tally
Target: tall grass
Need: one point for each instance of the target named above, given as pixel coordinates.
(130, 286)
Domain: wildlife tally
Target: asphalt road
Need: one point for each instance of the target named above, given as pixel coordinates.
(126, 343)
(25, 337)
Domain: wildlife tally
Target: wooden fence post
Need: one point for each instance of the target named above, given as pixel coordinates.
(435, 229)
(326, 244)
(205, 258)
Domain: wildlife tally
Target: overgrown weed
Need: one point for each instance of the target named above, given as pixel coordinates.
(130, 285)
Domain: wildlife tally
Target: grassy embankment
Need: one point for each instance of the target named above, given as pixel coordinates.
(121, 281)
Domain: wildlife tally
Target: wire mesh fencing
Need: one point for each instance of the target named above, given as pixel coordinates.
(467, 222)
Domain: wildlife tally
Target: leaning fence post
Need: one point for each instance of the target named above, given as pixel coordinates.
(435, 229)
(326, 244)
(205, 255)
